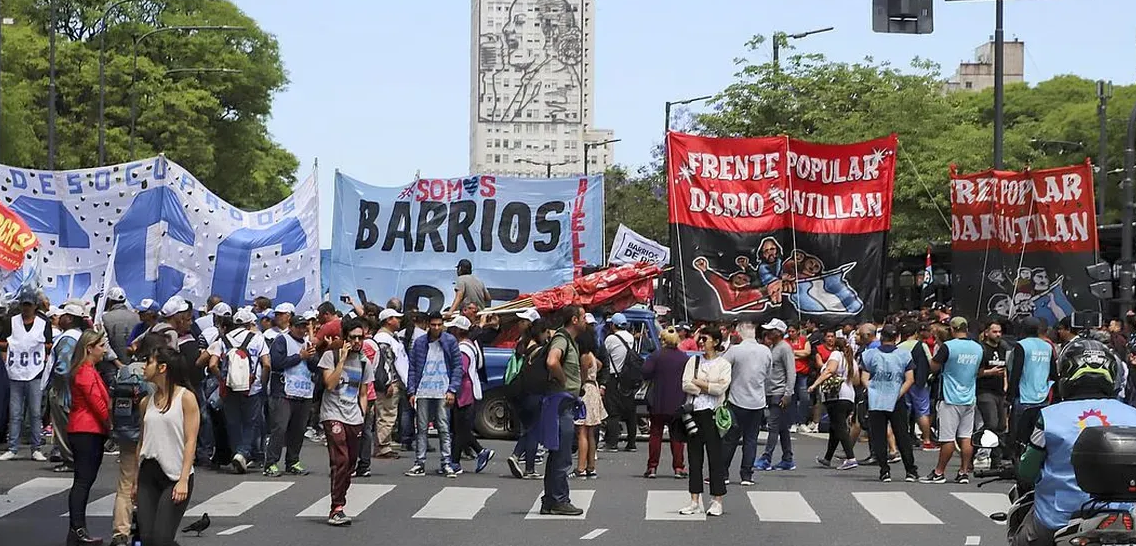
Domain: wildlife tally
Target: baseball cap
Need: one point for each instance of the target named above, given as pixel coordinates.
(73, 309)
(266, 315)
(311, 314)
(285, 308)
(387, 314)
(959, 323)
(175, 305)
(54, 311)
(530, 315)
(299, 320)
(459, 322)
(116, 294)
(29, 296)
(683, 326)
(147, 305)
(589, 318)
(619, 319)
(222, 310)
(776, 324)
(243, 317)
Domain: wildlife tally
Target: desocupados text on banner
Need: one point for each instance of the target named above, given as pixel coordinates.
(520, 234)
(174, 236)
(1020, 242)
(778, 227)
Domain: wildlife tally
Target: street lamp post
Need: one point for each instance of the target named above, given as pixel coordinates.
(102, 78)
(589, 145)
(549, 166)
(778, 36)
(667, 126)
(51, 87)
(1127, 270)
(999, 82)
(134, 66)
(1104, 93)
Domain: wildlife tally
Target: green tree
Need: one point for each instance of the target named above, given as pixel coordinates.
(213, 124)
(636, 201)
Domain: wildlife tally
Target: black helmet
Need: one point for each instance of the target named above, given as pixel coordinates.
(1086, 368)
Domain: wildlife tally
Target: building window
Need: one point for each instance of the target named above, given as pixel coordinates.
(496, 158)
(969, 85)
(516, 145)
(488, 158)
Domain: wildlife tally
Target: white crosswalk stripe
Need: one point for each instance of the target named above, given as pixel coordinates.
(103, 507)
(30, 492)
(359, 497)
(238, 500)
(782, 506)
(895, 507)
(985, 503)
(581, 498)
(664, 506)
(456, 503)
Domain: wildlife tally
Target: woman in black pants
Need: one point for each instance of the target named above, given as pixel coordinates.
(168, 443)
(706, 379)
(837, 383)
(87, 430)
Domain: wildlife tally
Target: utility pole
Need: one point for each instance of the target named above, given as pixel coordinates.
(1127, 273)
(590, 145)
(1104, 93)
(999, 82)
(778, 36)
(51, 88)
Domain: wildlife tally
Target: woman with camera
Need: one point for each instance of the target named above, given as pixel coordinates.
(706, 379)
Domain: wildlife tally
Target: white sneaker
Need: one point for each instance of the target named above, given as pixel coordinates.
(814, 428)
(9, 456)
(793, 428)
(38, 456)
(694, 508)
(715, 509)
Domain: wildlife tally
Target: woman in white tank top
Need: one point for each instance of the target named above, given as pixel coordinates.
(170, 420)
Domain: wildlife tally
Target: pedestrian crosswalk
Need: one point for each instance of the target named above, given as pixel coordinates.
(919, 506)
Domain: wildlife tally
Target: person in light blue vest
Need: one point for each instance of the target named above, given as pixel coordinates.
(1033, 369)
(1086, 370)
(290, 391)
(957, 361)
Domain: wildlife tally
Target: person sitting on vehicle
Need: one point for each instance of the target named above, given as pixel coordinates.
(1086, 369)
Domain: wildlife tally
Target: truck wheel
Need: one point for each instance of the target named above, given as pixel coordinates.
(494, 418)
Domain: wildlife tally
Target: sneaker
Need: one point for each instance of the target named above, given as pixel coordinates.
(762, 464)
(848, 464)
(240, 465)
(577, 474)
(534, 476)
(110, 448)
(812, 428)
(119, 540)
(564, 509)
(361, 473)
(417, 470)
(823, 462)
(962, 478)
(338, 519)
(911, 477)
(9, 456)
(630, 449)
(870, 461)
(681, 474)
(933, 477)
(255, 464)
(48, 432)
(310, 433)
(894, 458)
(297, 469)
(694, 508)
(483, 459)
(450, 471)
(930, 446)
(785, 465)
(38, 456)
(591, 475)
(885, 476)
(650, 474)
(707, 481)
(63, 468)
(746, 482)
(514, 464)
(273, 471)
(715, 509)
(794, 429)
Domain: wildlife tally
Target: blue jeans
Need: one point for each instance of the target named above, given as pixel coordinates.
(528, 412)
(406, 421)
(432, 409)
(4, 397)
(560, 461)
(779, 419)
(240, 421)
(29, 395)
(802, 400)
(749, 425)
(205, 432)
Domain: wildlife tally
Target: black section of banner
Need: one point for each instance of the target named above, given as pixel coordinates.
(1048, 285)
(749, 276)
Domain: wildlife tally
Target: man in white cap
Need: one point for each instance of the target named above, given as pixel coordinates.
(243, 399)
(619, 402)
(398, 363)
(467, 397)
(27, 346)
(218, 316)
(148, 316)
(779, 395)
(206, 320)
(118, 321)
(281, 321)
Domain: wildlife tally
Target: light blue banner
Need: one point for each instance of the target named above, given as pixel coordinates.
(520, 234)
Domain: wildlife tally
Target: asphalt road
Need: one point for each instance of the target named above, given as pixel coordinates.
(810, 506)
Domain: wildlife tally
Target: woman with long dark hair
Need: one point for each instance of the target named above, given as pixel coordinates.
(87, 430)
(837, 384)
(706, 379)
(170, 420)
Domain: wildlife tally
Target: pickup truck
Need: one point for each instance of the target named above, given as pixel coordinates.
(494, 413)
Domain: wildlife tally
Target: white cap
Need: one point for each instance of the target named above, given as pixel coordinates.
(147, 305)
(589, 318)
(73, 309)
(243, 317)
(388, 313)
(54, 311)
(776, 324)
(459, 322)
(222, 310)
(175, 305)
(285, 308)
(529, 314)
(311, 314)
(116, 294)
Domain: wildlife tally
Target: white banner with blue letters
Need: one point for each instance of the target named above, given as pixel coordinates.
(521, 235)
(174, 236)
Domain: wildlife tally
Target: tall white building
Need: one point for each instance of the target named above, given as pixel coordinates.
(532, 81)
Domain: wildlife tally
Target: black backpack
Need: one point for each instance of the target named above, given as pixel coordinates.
(533, 377)
(630, 378)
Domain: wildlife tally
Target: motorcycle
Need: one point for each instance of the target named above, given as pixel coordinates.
(1104, 462)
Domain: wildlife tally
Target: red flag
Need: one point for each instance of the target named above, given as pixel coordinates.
(15, 239)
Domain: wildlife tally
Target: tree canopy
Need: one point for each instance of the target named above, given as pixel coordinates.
(214, 124)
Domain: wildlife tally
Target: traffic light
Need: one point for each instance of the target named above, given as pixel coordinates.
(1101, 274)
(903, 16)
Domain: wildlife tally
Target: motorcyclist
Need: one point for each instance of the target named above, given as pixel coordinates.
(1086, 369)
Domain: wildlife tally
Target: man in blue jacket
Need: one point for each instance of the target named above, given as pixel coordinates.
(433, 383)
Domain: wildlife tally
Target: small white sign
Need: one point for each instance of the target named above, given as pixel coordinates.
(630, 247)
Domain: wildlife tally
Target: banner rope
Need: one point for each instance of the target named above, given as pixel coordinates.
(926, 188)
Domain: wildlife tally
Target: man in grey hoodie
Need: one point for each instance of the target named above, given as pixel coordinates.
(779, 394)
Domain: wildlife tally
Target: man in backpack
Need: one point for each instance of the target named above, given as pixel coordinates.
(435, 379)
(563, 364)
(619, 399)
(291, 388)
(388, 400)
(243, 396)
(118, 320)
(127, 392)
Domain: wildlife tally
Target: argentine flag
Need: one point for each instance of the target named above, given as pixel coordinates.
(828, 293)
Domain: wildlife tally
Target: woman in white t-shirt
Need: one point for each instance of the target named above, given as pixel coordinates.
(837, 385)
(706, 379)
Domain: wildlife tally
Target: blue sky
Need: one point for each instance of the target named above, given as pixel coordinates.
(380, 88)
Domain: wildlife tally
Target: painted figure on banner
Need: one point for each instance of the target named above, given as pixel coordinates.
(1031, 293)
